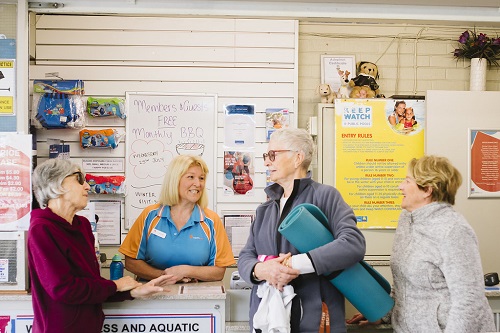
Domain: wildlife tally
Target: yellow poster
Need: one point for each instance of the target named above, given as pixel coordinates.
(7, 86)
(374, 141)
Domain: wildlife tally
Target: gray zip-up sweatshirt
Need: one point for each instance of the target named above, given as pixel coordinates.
(437, 274)
(347, 249)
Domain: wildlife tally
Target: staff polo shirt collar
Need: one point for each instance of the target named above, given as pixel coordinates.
(196, 215)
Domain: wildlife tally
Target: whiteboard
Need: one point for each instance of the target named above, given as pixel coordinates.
(159, 127)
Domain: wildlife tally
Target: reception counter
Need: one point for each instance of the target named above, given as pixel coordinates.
(191, 307)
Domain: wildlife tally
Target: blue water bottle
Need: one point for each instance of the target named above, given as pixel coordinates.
(116, 268)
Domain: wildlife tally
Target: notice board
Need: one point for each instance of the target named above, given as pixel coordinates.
(159, 127)
(371, 156)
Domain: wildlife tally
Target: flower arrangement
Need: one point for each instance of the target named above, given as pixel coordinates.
(474, 45)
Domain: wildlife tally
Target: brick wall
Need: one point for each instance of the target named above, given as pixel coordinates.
(411, 58)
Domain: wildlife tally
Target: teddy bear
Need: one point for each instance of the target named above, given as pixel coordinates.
(367, 75)
(326, 93)
(362, 92)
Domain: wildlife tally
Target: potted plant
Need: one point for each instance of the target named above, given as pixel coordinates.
(482, 51)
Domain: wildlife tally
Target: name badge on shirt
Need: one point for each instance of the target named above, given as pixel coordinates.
(159, 233)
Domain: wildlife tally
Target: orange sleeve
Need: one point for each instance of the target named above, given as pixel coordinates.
(132, 242)
(224, 256)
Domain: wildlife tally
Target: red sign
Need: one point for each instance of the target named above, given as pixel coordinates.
(15, 181)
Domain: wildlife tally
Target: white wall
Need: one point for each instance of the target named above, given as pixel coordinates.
(451, 115)
(412, 57)
(243, 61)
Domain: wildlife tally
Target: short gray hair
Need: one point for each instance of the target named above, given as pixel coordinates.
(48, 177)
(297, 139)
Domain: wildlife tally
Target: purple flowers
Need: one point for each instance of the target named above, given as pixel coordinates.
(464, 37)
(474, 45)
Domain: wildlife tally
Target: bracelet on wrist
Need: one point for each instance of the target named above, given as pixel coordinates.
(255, 276)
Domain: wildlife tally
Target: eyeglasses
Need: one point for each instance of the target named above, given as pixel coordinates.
(79, 177)
(272, 154)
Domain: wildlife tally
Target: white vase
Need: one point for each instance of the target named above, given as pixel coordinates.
(478, 74)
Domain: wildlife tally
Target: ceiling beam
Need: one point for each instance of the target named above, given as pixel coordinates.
(442, 11)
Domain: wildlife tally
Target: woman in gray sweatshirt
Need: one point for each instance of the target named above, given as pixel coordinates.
(435, 262)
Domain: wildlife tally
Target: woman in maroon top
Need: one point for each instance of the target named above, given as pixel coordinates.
(67, 289)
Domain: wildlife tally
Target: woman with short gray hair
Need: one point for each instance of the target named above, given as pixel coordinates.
(66, 285)
(48, 179)
(317, 302)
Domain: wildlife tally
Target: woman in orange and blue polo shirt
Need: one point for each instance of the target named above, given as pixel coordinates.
(179, 235)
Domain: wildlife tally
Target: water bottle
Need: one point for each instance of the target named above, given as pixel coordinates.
(116, 267)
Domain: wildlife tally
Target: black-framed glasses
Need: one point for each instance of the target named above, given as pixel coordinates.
(272, 154)
(79, 177)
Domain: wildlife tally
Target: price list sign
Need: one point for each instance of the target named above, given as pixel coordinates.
(15, 181)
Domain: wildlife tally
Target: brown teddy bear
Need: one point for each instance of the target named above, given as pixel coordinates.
(362, 92)
(365, 82)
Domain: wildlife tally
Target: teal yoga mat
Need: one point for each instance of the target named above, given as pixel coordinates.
(306, 228)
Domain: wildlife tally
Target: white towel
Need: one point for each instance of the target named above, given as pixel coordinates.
(273, 314)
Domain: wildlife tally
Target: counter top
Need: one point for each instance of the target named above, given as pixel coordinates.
(378, 262)
(237, 326)
(180, 291)
(242, 326)
(15, 295)
(197, 290)
(493, 291)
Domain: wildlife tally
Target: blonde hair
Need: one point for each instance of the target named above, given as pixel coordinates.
(437, 173)
(169, 194)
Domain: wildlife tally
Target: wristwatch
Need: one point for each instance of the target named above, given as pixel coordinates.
(255, 276)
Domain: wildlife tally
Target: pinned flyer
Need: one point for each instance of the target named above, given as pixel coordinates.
(15, 181)
(276, 118)
(238, 173)
(239, 126)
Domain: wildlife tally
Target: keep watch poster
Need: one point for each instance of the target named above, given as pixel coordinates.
(15, 181)
(484, 171)
(371, 155)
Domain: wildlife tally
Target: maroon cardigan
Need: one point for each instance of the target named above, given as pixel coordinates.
(66, 285)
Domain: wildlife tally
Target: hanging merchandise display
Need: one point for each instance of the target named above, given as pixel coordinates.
(105, 138)
(106, 107)
(58, 104)
(105, 184)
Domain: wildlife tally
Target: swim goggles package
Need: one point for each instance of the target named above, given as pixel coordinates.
(58, 104)
(105, 184)
(106, 107)
(104, 138)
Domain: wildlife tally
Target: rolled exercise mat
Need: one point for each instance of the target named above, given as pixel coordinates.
(306, 228)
